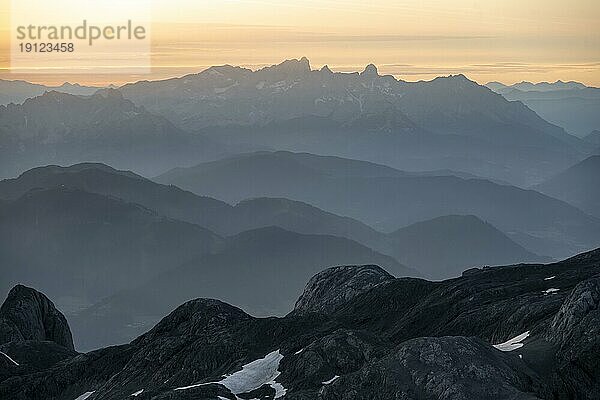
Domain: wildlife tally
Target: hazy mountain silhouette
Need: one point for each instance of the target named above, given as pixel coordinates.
(82, 246)
(570, 105)
(525, 86)
(166, 200)
(447, 123)
(540, 223)
(441, 248)
(262, 271)
(578, 185)
(18, 91)
(291, 215)
(62, 128)
(225, 219)
(593, 137)
(446, 246)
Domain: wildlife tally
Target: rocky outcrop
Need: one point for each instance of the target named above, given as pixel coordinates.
(579, 309)
(337, 354)
(444, 368)
(29, 315)
(36, 355)
(196, 317)
(575, 330)
(335, 286)
(403, 338)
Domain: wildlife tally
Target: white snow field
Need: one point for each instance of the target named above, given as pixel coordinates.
(85, 396)
(330, 381)
(9, 358)
(512, 344)
(252, 376)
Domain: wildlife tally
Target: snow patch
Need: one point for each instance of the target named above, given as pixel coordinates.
(253, 375)
(298, 352)
(136, 394)
(85, 395)
(9, 358)
(550, 278)
(331, 380)
(514, 343)
(550, 291)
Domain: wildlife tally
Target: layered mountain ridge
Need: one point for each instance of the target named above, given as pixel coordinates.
(63, 128)
(449, 122)
(388, 199)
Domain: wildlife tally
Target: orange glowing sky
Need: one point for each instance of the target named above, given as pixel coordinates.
(504, 40)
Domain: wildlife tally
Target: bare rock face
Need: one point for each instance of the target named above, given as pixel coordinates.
(579, 308)
(575, 330)
(444, 368)
(29, 315)
(335, 286)
(403, 339)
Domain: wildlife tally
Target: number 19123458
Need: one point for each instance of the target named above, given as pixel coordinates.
(47, 47)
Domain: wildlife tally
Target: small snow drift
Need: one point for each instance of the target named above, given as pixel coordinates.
(512, 344)
(9, 358)
(252, 376)
(85, 395)
(550, 291)
(331, 380)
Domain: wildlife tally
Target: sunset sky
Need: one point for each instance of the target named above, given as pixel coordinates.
(504, 40)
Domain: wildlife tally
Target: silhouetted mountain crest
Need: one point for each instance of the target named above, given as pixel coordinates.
(335, 286)
(370, 71)
(289, 67)
(30, 315)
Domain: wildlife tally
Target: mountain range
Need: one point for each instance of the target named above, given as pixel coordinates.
(389, 200)
(578, 185)
(525, 86)
(518, 332)
(88, 245)
(18, 91)
(447, 123)
(63, 128)
(118, 239)
(423, 216)
(450, 123)
(226, 220)
(570, 105)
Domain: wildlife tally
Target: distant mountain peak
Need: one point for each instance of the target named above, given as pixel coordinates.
(225, 69)
(370, 71)
(109, 93)
(75, 168)
(326, 69)
(292, 66)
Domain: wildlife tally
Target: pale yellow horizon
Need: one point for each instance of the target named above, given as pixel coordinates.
(508, 41)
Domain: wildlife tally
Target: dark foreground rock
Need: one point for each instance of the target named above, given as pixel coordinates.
(29, 315)
(516, 332)
(335, 286)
